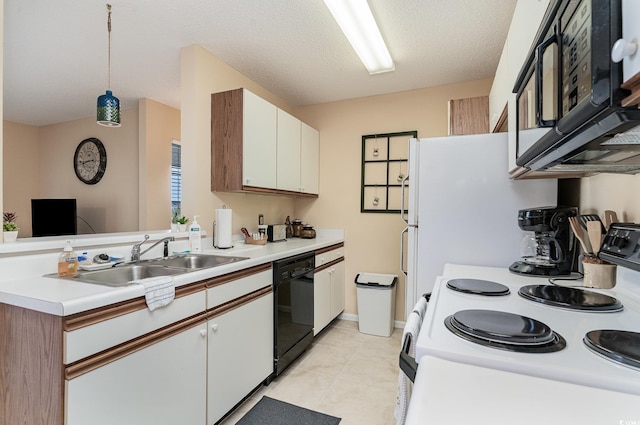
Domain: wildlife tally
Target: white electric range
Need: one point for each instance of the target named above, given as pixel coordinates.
(560, 362)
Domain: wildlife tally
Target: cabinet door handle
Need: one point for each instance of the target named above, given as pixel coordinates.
(203, 332)
(214, 327)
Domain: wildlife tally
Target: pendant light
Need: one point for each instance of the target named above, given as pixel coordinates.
(109, 105)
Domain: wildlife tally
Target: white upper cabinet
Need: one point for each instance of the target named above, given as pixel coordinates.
(631, 37)
(257, 147)
(288, 163)
(258, 142)
(309, 160)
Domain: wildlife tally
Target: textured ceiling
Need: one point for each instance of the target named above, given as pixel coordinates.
(55, 51)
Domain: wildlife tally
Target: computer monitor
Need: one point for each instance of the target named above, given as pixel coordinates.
(53, 217)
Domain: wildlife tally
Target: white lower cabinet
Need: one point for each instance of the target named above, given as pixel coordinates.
(328, 295)
(321, 300)
(162, 384)
(240, 354)
(337, 289)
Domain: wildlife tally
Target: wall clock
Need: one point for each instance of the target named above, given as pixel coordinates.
(90, 161)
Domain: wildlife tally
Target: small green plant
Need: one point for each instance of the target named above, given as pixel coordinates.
(9, 222)
(177, 217)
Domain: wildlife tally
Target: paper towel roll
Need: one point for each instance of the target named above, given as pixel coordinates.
(223, 228)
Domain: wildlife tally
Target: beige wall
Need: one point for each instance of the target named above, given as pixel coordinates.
(38, 163)
(372, 242)
(159, 126)
(134, 192)
(22, 171)
(1, 103)
(611, 192)
(111, 204)
(201, 75)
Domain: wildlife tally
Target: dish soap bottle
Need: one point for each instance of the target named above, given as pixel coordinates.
(67, 262)
(195, 236)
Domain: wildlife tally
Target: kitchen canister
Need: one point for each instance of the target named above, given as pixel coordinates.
(599, 275)
(222, 228)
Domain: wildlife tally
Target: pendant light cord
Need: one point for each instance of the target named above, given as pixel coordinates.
(109, 51)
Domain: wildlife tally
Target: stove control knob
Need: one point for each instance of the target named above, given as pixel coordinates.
(619, 241)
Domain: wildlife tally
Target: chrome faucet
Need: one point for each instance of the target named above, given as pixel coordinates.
(136, 253)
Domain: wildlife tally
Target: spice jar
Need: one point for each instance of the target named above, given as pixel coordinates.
(307, 232)
(297, 227)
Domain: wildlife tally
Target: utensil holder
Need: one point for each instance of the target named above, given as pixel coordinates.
(599, 275)
(251, 241)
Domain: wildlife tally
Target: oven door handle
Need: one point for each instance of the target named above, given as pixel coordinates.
(408, 364)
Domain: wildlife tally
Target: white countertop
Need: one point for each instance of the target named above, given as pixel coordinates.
(63, 297)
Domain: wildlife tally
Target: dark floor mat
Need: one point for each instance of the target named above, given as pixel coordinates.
(269, 411)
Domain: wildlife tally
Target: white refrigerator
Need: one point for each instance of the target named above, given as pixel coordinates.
(462, 207)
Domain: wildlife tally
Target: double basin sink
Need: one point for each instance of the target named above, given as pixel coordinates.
(122, 275)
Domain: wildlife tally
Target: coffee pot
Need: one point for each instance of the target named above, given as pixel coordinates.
(541, 249)
(549, 250)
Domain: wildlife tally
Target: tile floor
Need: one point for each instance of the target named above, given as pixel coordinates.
(344, 373)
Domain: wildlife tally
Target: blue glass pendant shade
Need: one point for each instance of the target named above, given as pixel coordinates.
(109, 110)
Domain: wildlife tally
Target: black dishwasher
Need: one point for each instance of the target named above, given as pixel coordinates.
(293, 309)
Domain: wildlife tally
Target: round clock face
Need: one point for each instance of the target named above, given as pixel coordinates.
(90, 161)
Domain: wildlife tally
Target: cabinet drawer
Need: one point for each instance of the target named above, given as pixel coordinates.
(329, 256)
(92, 339)
(227, 291)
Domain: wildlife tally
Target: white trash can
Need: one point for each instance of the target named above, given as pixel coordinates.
(376, 295)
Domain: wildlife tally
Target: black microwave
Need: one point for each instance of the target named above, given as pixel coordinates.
(568, 94)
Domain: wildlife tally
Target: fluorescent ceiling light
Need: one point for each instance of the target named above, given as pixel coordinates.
(357, 23)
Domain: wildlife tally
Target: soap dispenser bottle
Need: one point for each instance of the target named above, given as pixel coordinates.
(195, 236)
(67, 262)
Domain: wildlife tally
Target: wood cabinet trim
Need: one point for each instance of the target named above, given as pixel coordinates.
(31, 384)
(226, 140)
(632, 84)
(469, 115)
(501, 124)
(329, 264)
(278, 192)
(329, 248)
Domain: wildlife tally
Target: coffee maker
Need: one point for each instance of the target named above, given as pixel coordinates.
(550, 250)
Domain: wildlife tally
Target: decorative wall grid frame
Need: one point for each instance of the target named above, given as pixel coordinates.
(384, 167)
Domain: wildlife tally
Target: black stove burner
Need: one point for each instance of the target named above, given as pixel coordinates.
(478, 287)
(571, 298)
(618, 346)
(505, 331)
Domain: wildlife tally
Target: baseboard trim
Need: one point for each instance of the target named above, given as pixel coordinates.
(354, 318)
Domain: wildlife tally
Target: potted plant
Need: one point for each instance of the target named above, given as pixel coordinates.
(9, 227)
(182, 224)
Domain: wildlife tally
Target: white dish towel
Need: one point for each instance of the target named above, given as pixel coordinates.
(158, 291)
(412, 327)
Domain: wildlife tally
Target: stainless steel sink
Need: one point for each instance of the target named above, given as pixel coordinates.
(124, 274)
(196, 261)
